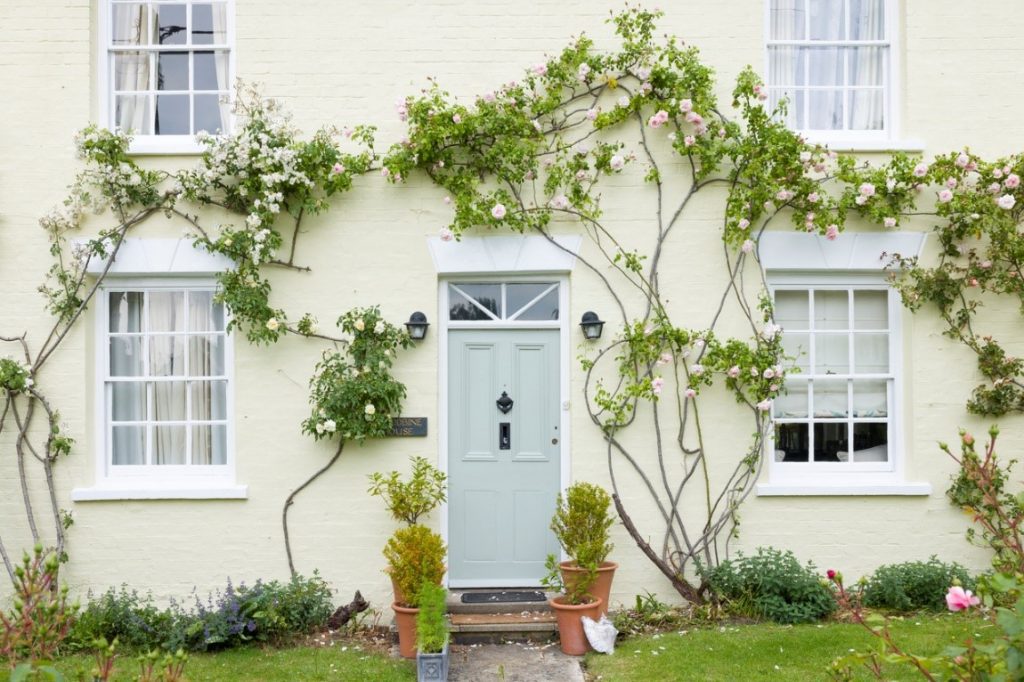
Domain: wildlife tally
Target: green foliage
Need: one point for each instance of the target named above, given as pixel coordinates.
(575, 585)
(914, 585)
(409, 500)
(647, 615)
(266, 611)
(415, 557)
(352, 391)
(582, 522)
(40, 616)
(13, 376)
(772, 584)
(431, 623)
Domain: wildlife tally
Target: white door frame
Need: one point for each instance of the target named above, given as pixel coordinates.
(565, 332)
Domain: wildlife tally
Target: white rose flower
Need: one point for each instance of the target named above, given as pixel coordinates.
(273, 324)
(330, 426)
(370, 409)
(379, 327)
(359, 324)
(319, 427)
(1007, 201)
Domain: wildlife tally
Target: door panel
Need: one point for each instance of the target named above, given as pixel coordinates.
(501, 500)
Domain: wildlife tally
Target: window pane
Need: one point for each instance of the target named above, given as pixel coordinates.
(831, 443)
(870, 443)
(208, 114)
(791, 442)
(871, 353)
(209, 400)
(793, 403)
(797, 350)
(792, 310)
(826, 110)
(828, 20)
(169, 401)
(172, 71)
(170, 24)
(204, 314)
(831, 310)
(128, 445)
(786, 65)
(166, 311)
(794, 116)
(486, 295)
(870, 398)
(168, 445)
(867, 19)
(830, 400)
(128, 401)
(211, 71)
(826, 66)
(870, 310)
(209, 444)
(133, 113)
(129, 25)
(166, 356)
(867, 65)
(125, 356)
(518, 295)
(172, 115)
(544, 309)
(867, 110)
(131, 72)
(831, 354)
(788, 19)
(125, 311)
(209, 24)
(206, 356)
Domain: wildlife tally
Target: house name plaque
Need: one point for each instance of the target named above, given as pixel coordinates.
(409, 426)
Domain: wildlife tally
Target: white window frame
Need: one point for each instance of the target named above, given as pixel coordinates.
(155, 144)
(885, 139)
(848, 478)
(155, 481)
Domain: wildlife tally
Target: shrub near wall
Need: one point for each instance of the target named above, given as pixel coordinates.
(914, 585)
(772, 584)
(264, 611)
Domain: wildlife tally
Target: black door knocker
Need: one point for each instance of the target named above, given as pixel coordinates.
(504, 403)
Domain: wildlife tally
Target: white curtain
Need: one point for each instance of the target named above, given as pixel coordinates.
(127, 398)
(220, 28)
(131, 69)
(785, 67)
(167, 359)
(208, 397)
(867, 65)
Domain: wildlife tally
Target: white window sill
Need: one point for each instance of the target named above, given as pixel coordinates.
(880, 144)
(140, 492)
(165, 145)
(833, 489)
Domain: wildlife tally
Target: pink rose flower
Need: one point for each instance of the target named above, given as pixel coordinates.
(338, 168)
(744, 223)
(921, 170)
(733, 371)
(447, 200)
(456, 119)
(867, 189)
(689, 140)
(617, 163)
(958, 599)
(890, 222)
(623, 101)
(747, 246)
(498, 211)
(561, 202)
(657, 383)
(765, 405)
(951, 183)
(540, 69)
(592, 114)
(447, 235)
(696, 369)
(489, 97)
(686, 106)
(945, 196)
(643, 72)
(1012, 181)
(658, 119)
(832, 232)
(813, 197)
(962, 160)
(583, 71)
(690, 393)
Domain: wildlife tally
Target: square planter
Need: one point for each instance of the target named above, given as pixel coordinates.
(432, 667)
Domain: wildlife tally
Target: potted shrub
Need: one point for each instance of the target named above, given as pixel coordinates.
(432, 635)
(581, 523)
(415, 557)
(408, 500)
(575, 602)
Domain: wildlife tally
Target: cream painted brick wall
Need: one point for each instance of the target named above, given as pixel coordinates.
(347, 62)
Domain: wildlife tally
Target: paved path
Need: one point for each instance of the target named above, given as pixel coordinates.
(517, 662)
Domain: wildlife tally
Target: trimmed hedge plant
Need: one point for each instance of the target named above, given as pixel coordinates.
(914, 585)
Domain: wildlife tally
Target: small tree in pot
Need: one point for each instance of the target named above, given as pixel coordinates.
(581, 523)
(432, 635)
(574, 602)
(415, 558)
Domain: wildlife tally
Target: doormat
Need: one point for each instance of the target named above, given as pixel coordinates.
(502, 596)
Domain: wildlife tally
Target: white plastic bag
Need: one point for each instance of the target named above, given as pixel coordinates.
(601, 634)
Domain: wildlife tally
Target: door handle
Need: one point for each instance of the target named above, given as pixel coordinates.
(504, 436)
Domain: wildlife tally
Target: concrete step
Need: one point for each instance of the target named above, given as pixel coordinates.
(456, 605)
(494, 628)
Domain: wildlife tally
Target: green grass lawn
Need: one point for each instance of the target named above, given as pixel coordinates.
(744, 653)
(338, 662)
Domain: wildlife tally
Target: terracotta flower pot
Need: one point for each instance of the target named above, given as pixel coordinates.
(570, 624)
(405, 622)
(602, 587)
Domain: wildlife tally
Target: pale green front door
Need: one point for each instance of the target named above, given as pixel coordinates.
(503, 467)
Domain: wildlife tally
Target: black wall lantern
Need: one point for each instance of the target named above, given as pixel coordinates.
(417, 326)
(591, 325)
